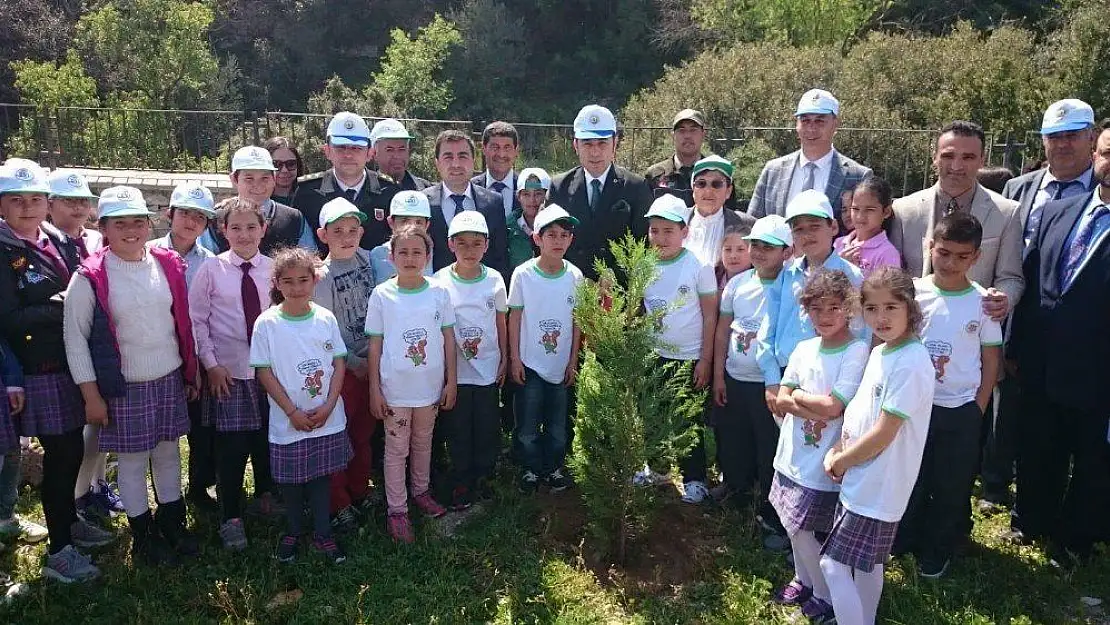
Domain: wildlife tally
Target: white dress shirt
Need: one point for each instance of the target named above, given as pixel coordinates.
(448, 205)
(507, 194)
(820, 177)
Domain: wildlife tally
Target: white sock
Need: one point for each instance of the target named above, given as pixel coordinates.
(91, 462)
(132, 482)
(870, 588)
(807, 561)
(165, 462)
(845, 596)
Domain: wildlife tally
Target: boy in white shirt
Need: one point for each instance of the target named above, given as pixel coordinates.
(686, 291)
(543, 344)
(965, 346)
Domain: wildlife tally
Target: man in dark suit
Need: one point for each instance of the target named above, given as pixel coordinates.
(390, 150)
(607, 199)
(1061, 345)
(500, 147)
(455, 162)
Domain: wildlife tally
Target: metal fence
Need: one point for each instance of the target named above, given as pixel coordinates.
(202, 141)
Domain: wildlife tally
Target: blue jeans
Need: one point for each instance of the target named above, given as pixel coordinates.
(9, 484)
(541, 424)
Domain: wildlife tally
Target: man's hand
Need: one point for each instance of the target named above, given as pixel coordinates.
(996, 304)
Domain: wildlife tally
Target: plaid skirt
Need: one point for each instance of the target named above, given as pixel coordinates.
(54, 406)
(239, 412)
(858, 541)
(9, 440)
(149, 413)
(802, 509)
(310, 458)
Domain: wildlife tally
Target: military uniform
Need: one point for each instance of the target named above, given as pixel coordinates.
(372, 200)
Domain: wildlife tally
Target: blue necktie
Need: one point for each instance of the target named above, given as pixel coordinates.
(458, 202)
(1079, 245)
(498, 186)
(595, 195)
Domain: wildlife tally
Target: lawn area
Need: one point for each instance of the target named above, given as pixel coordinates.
(522, 560)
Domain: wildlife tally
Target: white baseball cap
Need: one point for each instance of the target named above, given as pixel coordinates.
(812, 203)
(669, 207)
(543, 181)
(122, 202)
(771, 229)
(70, 184)
(410, 204)
(252, 157)
(388, 128)
(594, 122)
(335, 209)
(347, 128)
(468, 221)
(817, 102)
(1065, 115)
(193, 196)
(23, 176)
(551, 214)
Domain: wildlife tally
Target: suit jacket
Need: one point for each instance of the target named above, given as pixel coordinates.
(480, 181)
(625, 198)
(772, 189)
(1023, 190)
(664, 178)
(489, 204)
(1059, 336)
(372, 199)
(999, 263)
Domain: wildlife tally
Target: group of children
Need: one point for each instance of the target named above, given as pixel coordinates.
(846, 428)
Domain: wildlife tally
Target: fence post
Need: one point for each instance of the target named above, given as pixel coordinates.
(254, 125)
(50, 126)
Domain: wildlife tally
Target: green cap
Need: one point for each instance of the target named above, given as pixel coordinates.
(715, 163)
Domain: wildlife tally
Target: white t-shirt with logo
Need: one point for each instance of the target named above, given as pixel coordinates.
(900, 382)
(300, 353)
(955, 331)
(803, 443)
(411, 323)
(546, 302)
(745, 301)
(477, 303)
(677, 289)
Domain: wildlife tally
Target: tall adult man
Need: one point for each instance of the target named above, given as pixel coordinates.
(390, 150)
(500, 147)
(455, 194)
(348, 149)
(815, 165)
(1060, 342)
(673, 174)
(957, 160)
(607, 199)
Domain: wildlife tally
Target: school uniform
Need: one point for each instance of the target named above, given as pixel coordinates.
(11, 378)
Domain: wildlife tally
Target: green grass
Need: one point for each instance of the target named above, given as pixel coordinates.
(515, 562)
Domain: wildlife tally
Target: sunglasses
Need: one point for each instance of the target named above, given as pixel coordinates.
(289, 164)
(716, 184)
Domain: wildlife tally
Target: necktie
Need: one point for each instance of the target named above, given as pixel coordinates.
(952, 207)
(595, 194)
(350, 195)
(252, 306)
(458, 202)
(811, 177)
(498, 186)
(1059, 187)
(1080, 243)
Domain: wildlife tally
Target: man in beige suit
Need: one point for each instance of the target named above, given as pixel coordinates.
(957, 160)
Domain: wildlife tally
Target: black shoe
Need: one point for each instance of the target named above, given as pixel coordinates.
(147, 545)
(933, 566)
(170, 522)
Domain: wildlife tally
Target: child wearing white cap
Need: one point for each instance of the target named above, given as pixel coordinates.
(479, 297)
(533, 184)
(71, 204)
(407, 207)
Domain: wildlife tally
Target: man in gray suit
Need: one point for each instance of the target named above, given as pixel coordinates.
(957, 160)
(817, 165)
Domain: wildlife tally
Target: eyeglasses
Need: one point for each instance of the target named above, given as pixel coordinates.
(289, 164)
(716, 184)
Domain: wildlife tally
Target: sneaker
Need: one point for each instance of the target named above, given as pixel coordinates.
(694, 492)
(328, 548)
(529, 482)
(932, 567)
(460, 498)
(428, 505)
(647, 477)
(345, 521)
(86, 535)
(105, 495)
(818, 612)
(24, 530)
(793, 593)
(287, 548)
(400, 528)
(69, 565)
(557, 481)
(233, 535)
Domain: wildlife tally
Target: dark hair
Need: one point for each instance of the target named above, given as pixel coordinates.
(878, 187)
(274, 144)
(411, 231)
(959, 228)
(824, 283)
(500, 129)
(238, 205)
(173, 209)
(995, 178)
(287, 258)
(743, 230)
(962, 128)
(453, 135)
(900, 285)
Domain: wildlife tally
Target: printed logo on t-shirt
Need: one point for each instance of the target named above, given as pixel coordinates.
(472, 337)
(743, 340)
(551, 328)
(490, 303)
(570, 301)
(313, 372)
(417, 339)
(972, 327)
(328, 346)
(811, 432)
(653, 304)
(941, 353)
